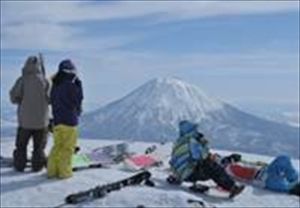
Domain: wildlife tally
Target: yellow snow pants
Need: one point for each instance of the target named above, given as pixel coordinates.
(60, 158)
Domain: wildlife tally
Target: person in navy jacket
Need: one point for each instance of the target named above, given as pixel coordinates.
(66, 98)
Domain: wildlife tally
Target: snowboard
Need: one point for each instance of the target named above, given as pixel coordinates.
(7, 162)
(153, 156)
(196, 201)
(214, 191)
(141, 161)
(96, 158)
(107, 155)
(202, 188)
(102, 190)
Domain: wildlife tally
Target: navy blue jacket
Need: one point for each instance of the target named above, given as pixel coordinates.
(66, 99)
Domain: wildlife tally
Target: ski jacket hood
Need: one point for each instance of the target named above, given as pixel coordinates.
(187, 127)
(30, 93)
(32, 66)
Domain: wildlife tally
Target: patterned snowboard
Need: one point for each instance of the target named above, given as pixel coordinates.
(106, 155)
(152, 157)
(139, 162)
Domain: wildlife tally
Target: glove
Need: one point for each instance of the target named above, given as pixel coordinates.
(173, 180)
(76, 150)
(51, 125)
(200, 138)
(233, 158)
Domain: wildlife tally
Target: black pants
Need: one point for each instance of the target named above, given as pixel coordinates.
(209, 169)
(38, 155)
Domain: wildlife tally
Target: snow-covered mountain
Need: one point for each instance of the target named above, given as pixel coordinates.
(152, 113)
(36, 190)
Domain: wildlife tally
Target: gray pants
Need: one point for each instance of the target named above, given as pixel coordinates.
(38, 159)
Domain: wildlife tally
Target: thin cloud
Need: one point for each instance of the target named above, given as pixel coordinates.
(45, 24)
(229, 61)
(74, 11)
(36, 36)
(58, 37)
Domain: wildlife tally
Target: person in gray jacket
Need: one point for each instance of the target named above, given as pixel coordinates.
(30, 93)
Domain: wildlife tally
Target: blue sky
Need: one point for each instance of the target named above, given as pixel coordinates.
(237, 51)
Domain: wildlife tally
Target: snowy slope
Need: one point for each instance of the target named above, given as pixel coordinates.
(152, 113)
(8, 119)
(35, 190)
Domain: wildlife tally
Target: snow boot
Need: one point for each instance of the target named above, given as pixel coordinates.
(19, 160)
(199, 188)
(39, 161)
(173, 180)
(295, 190)
(236, 190)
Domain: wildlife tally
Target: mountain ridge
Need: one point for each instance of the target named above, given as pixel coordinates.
(153, 111)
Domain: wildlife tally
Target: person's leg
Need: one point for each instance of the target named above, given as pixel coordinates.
(20, 153)
(218, 174)
(69, 140)
(212, 170)
(281, 175)
(283, 166)
(198, 175)
(54, 156)
(295, 190)
(39, 159)
(278, 184)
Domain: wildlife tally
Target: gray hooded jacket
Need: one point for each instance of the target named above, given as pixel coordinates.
(30, 93)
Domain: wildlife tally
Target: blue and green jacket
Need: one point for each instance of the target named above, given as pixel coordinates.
(186, 153)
